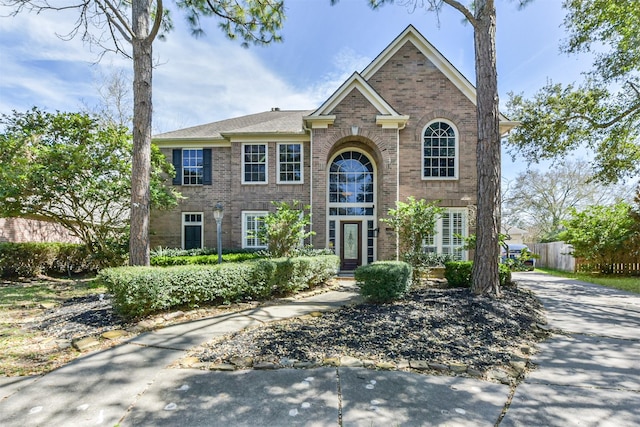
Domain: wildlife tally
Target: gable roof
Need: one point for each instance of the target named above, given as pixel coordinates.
(388, 116)
(411, 34)
(275, 121)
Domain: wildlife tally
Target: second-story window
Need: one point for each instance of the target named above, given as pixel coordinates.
(192, 167)
(290, 164)
(254, 163)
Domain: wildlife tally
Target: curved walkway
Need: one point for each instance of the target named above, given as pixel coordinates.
(588, 375)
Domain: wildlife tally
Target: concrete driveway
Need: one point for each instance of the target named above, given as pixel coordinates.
(589, 370)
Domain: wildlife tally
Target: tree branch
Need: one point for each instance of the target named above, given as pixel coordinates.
(464, 10)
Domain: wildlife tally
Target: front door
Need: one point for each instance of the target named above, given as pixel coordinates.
(192, 236)
(350, 245)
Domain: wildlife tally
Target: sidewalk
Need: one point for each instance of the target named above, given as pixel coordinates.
(588, 375)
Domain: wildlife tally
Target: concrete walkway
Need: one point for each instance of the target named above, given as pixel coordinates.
(585, 378)
(589, 371)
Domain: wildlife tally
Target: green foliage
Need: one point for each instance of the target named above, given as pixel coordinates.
(458, 274)
(284, 229)
(384, 281)
(139, 291)
(75, 170)
(561, 119)
(252, 21)
(597, 113)
(602, 234)
(165, 261)
(413, 223)
(33, 259)
(612, 23)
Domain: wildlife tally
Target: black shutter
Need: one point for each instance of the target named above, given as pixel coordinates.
(206, 166)
(177, 164)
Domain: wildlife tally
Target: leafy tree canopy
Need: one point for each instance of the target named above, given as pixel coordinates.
(603, 112)
(602, 234)
(73, 169)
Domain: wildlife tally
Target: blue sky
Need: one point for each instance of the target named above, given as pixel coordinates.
(211, 78)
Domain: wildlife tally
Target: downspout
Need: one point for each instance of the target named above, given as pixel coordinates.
(304, 126)
(398, 182)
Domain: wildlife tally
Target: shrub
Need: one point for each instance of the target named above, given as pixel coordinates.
(458, 274)
(166, 261)
(384, 281)
(32, 259)
(139, 291)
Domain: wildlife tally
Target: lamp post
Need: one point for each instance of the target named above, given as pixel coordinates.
(218, 214)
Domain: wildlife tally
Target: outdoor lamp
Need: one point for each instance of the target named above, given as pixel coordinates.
(218, 214)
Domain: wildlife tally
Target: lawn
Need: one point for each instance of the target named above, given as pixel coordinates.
(28, 351)
(624, 283)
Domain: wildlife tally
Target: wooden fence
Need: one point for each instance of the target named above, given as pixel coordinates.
(557, 255)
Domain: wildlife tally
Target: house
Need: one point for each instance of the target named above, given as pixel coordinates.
(515, 235)
(23, 230)
(404, 126)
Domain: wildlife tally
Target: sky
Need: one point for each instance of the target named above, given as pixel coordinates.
(210, 78)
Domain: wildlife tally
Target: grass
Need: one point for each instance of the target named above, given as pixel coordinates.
(624, 283)
(31, 352)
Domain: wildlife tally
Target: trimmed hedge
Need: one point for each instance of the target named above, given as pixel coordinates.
(139, 291)
(384, 281)
(166, 261)
(458, 274)
(32, 259)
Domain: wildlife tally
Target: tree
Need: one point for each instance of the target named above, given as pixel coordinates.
(284, 229)
(254, 21)
(602, 234)
(414, 222)
(601, 113)
(481, 14)
(74, 169)
(539, 201)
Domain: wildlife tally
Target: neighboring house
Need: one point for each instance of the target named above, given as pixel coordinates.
(22, 230)
(404, 126)
(515, 235)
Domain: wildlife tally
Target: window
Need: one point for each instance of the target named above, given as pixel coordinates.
(193, 166)
(440, 151)
(254, 163)
(252, 223)
(290, 164)
(192, 230)
(351, 182)
(450, 226)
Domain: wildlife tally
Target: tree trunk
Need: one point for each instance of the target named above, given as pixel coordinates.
(142, 108)
(485, 276)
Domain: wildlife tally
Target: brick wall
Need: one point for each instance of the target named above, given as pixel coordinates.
(20, 230)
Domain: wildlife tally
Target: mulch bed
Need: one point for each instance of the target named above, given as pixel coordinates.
(435, 325)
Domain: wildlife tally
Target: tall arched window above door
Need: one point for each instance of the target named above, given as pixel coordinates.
(351, 184)
(440, 151)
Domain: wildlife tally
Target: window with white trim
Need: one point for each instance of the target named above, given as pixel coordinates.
(450, 229)
(192, 166)
(290, 164)
(440, 151)
(254, 163)
(252, 223)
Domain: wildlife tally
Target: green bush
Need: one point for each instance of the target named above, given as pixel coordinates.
(166, 261)
(32, 259)
(139, 291)
(384, 281)
(458, 274)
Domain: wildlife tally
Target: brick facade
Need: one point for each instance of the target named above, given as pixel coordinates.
(405, 84)
(21, 230)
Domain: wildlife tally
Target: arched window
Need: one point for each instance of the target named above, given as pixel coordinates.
(440, 151)
(351, 179)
